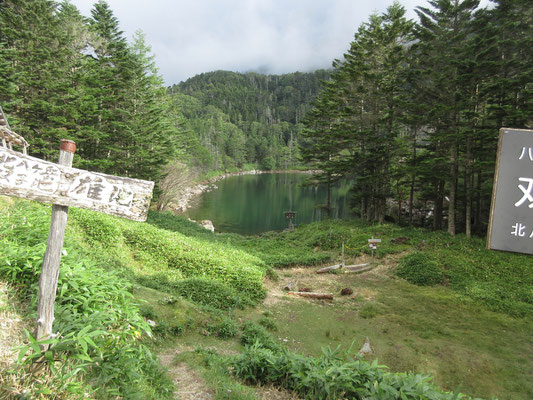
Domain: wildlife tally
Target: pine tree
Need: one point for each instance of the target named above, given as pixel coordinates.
(107, 81)
(356, 123)
(36, 58)
(150, 125)
(446, 83)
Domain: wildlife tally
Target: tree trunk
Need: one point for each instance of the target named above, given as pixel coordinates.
(437, 215)
(468, 187)
(453, 188)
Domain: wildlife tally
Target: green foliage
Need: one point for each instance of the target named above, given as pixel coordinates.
(333, 375)
(210, 293)
(253, 333)
(268, 323)
(98, 229)
(101, 330)
(224, 329)
(401, 114)
(420, 268)
(235, 119)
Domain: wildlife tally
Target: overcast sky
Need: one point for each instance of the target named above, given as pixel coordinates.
(189, 37)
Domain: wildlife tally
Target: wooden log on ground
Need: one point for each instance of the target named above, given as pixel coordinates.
(357, 269)
(328, 296)
(327, 269)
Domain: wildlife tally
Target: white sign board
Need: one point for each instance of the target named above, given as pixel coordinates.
(511, 217)
(32, 178)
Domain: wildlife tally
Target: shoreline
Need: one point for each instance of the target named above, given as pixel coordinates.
(184, 202)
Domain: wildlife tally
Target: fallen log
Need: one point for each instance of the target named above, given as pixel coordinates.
(357, 269)
(327, 269)
(313, 295)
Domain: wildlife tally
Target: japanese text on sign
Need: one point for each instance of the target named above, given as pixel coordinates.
(32, 178)
(511, 222)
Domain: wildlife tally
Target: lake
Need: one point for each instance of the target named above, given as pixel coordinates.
(251, 204)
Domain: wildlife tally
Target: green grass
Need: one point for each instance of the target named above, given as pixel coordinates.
(418, 329)
(501, 281)
(471, 329)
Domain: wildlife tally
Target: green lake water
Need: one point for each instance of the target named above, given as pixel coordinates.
(251, 204)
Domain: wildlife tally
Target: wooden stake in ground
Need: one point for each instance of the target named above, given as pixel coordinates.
(52, 256)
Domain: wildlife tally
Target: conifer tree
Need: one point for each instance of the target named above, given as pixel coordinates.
(108, 78)
(446, 84)
(37, 59)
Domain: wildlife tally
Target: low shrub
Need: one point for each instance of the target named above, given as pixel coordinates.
(100, 328)
(224, 329)
(210, 293)
(268, 323)
(420, 268)
(253, 333)
(333, 375)
(164, 251)
(99, 229)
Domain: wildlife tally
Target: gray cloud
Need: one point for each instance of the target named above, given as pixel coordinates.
(276, 36)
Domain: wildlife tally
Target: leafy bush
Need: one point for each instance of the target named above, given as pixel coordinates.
(224, 329)
(420, 268)
(206, 292)
(100, 329)
(99, 229)
(268, 323)
(253, 333)
(194, 258)
(333, 375)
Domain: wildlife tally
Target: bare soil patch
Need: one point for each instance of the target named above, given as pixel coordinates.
(190, 385)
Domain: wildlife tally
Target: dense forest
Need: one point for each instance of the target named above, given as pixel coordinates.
(412, 111)
(66, 76)
(247, 118)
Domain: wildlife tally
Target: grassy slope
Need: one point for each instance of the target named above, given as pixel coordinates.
(471, 331)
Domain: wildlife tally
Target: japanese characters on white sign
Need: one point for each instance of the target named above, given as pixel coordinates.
(32, 178)
(511, 219)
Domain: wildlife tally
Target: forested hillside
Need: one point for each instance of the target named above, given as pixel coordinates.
(246, 118)
(67, 76)
(413, 110)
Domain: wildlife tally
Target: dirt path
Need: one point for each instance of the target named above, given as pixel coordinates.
(190, 385)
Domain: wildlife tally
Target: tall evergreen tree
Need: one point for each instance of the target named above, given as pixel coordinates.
(37, 58)
(446, 83)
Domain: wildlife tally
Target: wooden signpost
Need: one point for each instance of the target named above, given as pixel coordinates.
(290, 216)
(63, 186)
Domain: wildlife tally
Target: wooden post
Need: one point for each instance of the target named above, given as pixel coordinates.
(52, 256)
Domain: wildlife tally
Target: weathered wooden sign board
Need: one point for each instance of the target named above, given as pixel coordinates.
(31, 178)
(63, 186)
(511, 215)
